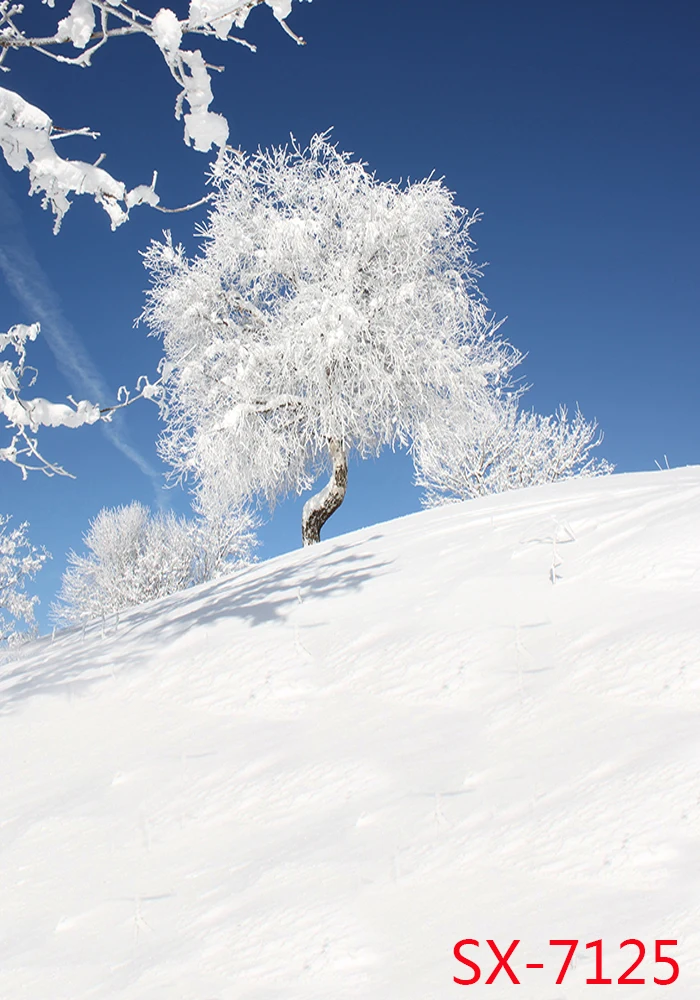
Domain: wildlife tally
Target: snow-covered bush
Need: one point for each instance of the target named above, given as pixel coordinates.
(224, 534)
(463, 453)
(20, 561)
(135, 556)
(328, 312)
(27, 134)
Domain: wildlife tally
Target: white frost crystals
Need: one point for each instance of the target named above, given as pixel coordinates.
(25, 416)
(328, 312)
(27, 134)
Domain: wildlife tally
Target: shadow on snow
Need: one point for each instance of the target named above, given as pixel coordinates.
(79, 657)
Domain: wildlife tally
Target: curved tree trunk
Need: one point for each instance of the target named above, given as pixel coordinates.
(319, 508)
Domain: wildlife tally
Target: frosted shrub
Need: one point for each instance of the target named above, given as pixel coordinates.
(20, 561)
(461, 454)
(135, 556)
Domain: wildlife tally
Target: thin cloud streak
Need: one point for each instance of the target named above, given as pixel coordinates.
(32, 288)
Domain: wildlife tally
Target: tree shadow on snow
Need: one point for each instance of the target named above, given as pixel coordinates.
(79, 657)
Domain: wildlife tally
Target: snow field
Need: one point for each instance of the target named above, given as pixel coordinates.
(313, 778)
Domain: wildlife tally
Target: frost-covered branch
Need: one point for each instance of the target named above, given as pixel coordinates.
(27, 133)
(27, 141)
(145, 389)
(25, 416)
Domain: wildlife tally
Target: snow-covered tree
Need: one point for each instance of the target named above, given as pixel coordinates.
(461, 453)
(20, 561)
(28, 135)
(327, 312)
(135, 556)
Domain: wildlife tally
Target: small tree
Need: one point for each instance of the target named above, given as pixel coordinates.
(328, 312)
(135, 557)
(20, 561)
(466, 453)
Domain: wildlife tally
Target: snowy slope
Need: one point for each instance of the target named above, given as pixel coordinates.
(312, 779)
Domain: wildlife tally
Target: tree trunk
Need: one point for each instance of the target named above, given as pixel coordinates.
(319, 508)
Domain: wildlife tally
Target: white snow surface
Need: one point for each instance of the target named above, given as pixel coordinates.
(311, 779)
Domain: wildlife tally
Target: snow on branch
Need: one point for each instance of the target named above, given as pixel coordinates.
(27, 133)
(25, 416)
(27, 140)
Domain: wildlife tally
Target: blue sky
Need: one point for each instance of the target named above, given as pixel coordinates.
(573, 128)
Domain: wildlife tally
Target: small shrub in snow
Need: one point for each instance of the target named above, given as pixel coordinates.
(135, 556)
(19, 562)
(491, 449)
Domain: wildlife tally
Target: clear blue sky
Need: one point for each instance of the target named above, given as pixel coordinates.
(573, 127)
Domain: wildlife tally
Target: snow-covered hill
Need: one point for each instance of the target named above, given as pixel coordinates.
(314, 778)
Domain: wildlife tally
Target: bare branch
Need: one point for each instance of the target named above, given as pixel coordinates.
(65, 133)
(185, 208)
(297, 38)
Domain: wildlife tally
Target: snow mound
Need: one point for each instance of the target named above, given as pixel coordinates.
(312, 779)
